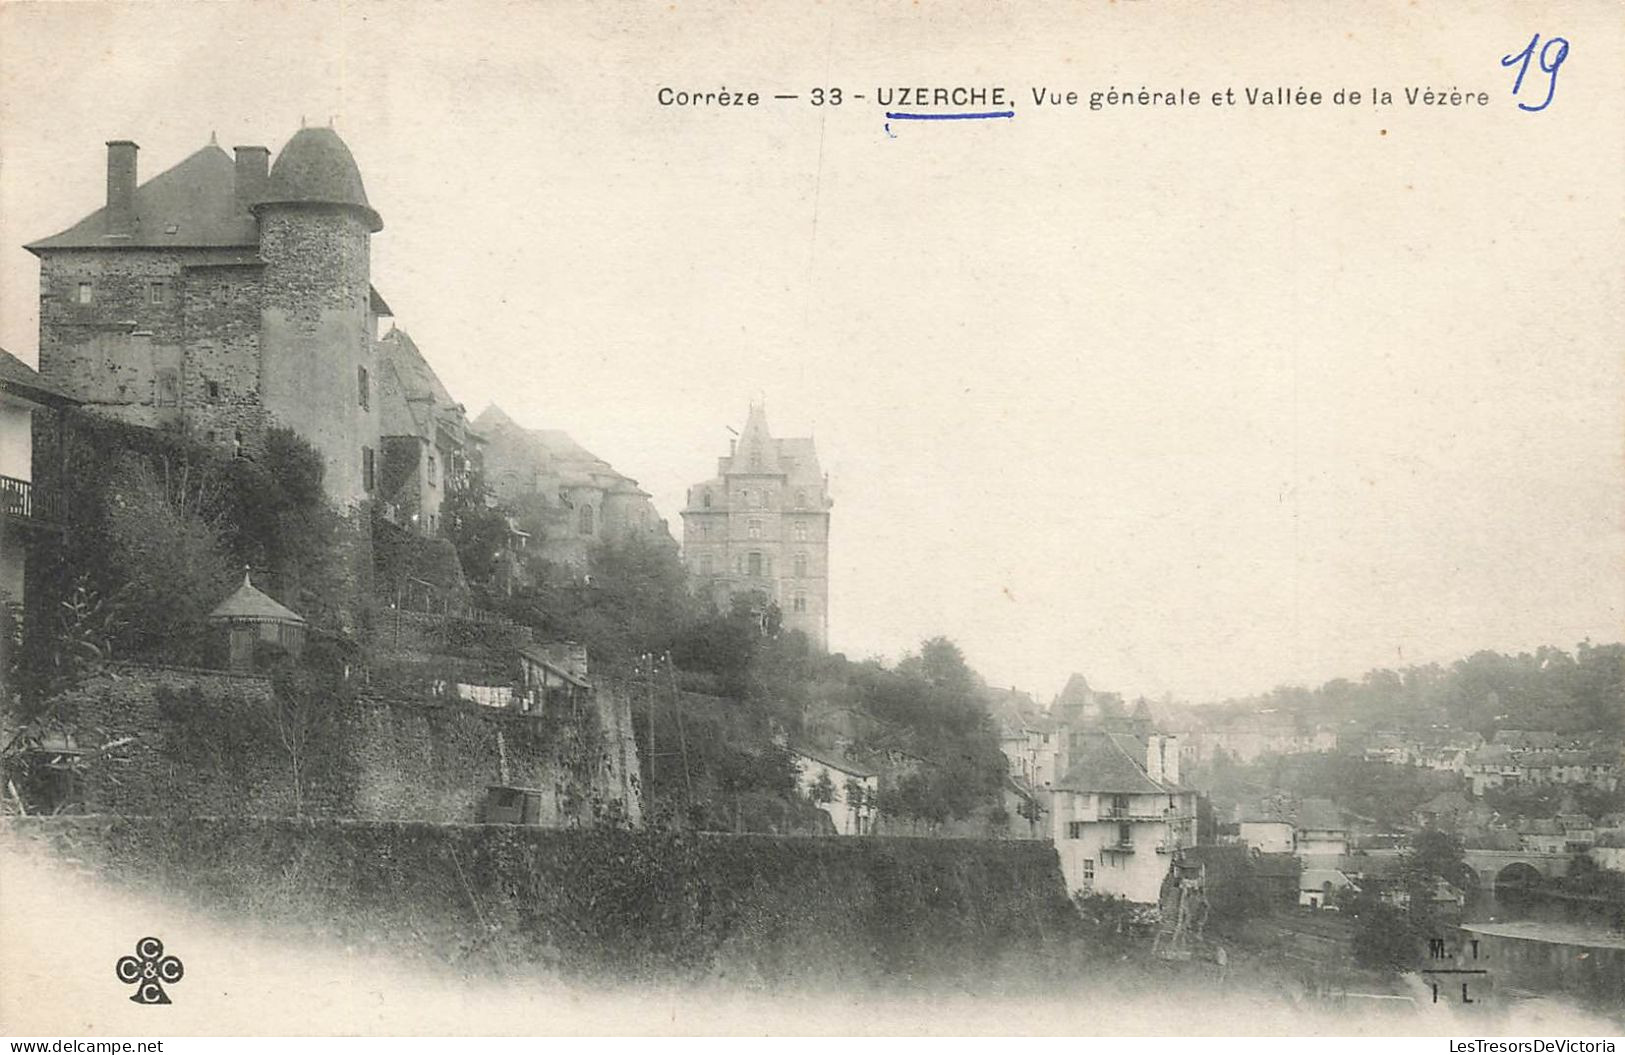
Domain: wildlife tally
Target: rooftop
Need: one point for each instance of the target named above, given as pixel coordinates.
(1110, 763)
(250, 605)
(317, 167)
(193, 203)
(22, 380)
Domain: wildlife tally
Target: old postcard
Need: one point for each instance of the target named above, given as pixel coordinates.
(698, 517)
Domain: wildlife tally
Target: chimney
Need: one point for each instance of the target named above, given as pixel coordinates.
(1153, 757)
(253, 166)
(1170, 759)
(121, 188)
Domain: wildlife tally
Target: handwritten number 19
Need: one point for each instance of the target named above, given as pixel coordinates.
(1548, 64)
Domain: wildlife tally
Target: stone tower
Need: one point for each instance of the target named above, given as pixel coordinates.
(317, 326)
(225, 295)
(760, 527)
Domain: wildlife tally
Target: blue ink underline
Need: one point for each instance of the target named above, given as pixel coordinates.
(891, 116)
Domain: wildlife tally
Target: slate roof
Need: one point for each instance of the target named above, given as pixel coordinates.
(20, 379)
(833, 760)
(250, 605)
(1317, 878)
(413, 395)
(193, 203)
(1109, 762)
(316, 166)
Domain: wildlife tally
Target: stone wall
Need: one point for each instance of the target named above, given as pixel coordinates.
(215, 743)
(612, 905)
(167, 336)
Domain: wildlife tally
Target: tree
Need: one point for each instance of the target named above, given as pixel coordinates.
(823, 789)
(300, 715)
(475, 527)
(167, 545)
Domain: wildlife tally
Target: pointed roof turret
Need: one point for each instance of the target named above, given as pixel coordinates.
(756, 452)
(249, 605)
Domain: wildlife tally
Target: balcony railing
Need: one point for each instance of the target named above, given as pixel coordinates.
(1141, 813)
(19, 498)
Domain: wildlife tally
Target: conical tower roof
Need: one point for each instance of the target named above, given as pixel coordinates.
(250, 605)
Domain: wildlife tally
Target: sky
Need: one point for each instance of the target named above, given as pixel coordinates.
(1193, 400)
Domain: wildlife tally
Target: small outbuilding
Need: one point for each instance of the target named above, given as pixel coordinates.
(250, 617)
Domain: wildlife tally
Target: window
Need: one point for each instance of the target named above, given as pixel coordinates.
(801, 530)
(169, 388)
(1125, 834)
(362, 393)
(586, 519)
(237, 444)
(800, 602)
(433, 471)
(801, 565)
(155, 292)
(214, 390)
(705, 499)
(1074, 829)
(84, 292)
(755, 561)
(754, 529)
(801, 499)
(1088, 870)
(744, 497)
(705, 564)
(366, 469)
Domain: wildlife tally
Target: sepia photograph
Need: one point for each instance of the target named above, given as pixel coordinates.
(717, 518)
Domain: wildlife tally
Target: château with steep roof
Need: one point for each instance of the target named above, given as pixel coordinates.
(760, 527)
(226, 295)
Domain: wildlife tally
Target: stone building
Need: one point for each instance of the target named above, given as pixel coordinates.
(1120, 814)
(566, 497)
(428, 446)
(761, 526)
(226, 295)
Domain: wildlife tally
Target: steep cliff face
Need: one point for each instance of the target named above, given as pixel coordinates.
(605, 904)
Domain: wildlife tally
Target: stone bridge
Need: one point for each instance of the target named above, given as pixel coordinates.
(1494, 868)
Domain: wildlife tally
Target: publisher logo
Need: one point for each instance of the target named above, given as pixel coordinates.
(149, 970)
